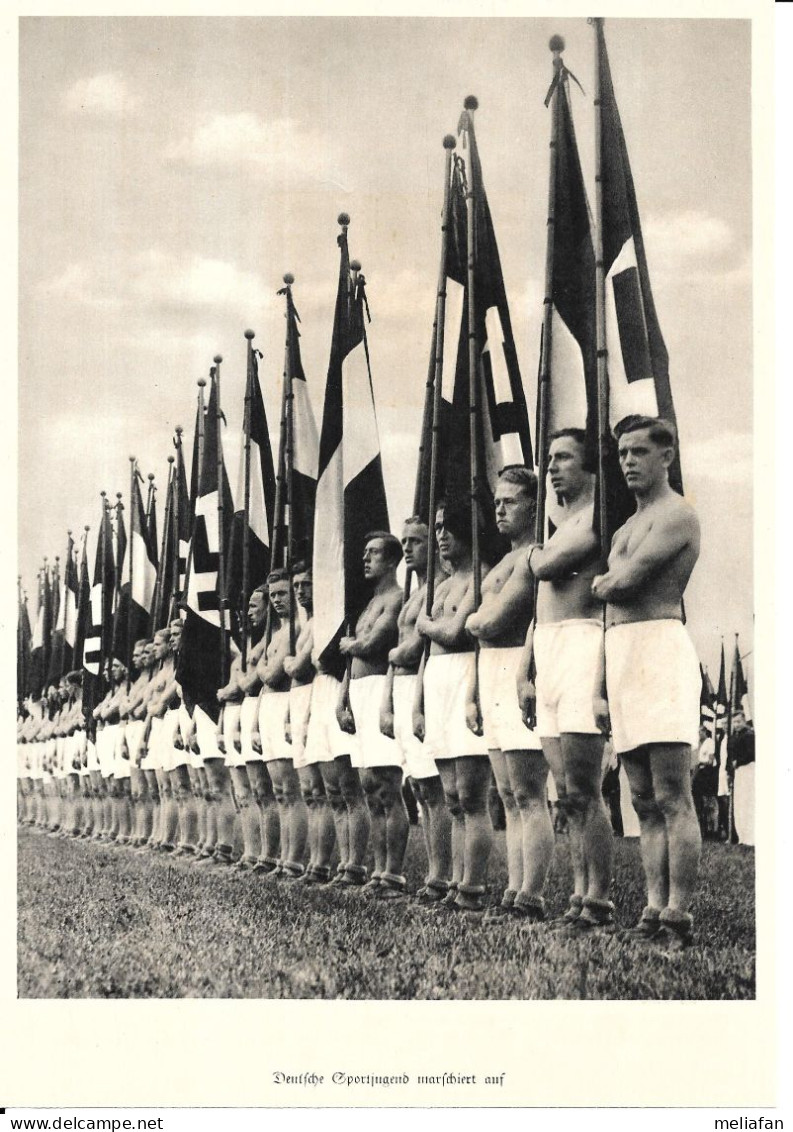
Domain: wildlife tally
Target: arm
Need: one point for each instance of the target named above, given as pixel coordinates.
(498, 612)
(527, 696)
(599, 701)
(387, 705)
(344, 716)
(668, 535)
(299, 666)
(450, 632)
(374, 641)
(571, 546)
(418, 702)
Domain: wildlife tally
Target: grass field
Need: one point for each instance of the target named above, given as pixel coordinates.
(97, 922)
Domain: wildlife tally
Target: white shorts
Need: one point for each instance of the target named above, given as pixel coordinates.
(106, 749)
(502, 722)
(179, 756)
(120, 764)
(414, 758)
(370, 747)
(135, 730)
(299, 709)
(60, 756)
(653, 683)
(231, 720)
(447, 677)
(152, 759)
(567, 655)
(325, 740)
(206, 736)
(272, 720)
(249, 722)
(92, 755)
(80, 751)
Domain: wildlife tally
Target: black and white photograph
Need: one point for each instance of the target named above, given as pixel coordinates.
(385, 509)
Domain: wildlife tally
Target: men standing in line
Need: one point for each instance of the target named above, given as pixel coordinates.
(133, 709)
(180, 763)
(267, 846)
(521, 772)
(567, 644)
(299, 667)
(107, 713)
(740, 758)
(161, 691)
(396, 721)
(459, 753)
(375, 755)
(652, 676)
(231, 698)
(276, 752)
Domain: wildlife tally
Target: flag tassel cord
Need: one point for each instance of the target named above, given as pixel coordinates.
(246, 518)
(449, 144)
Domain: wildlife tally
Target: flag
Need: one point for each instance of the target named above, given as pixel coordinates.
(200, 664)
(41, 640)
(740, 689)
(503, 434)
(151, 522)
(706, 698)
(83, 619)
(66, 623)
(722, 699)
(99, 631)
(350, 496)
(571, 388)
(305, 443)
(24, 643)
(138, 579)
(637, 359)
(260, 509)
(119, 636)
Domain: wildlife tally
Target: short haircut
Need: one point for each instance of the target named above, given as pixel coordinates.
(589, 462)
(456, 518)
(661, 431)
(75, 677)
(520, 476)
(262, 589)
(164, 632)
(301, 568)
(417, 521)
(176, 621)
(279, 575)
(393, 546)
(142, 642)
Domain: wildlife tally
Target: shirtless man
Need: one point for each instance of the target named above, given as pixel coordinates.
(652, 676)
(567, 643)
(521, 772)
(396, 721)
(299, 667)
(231, 698)
(73, 727)
(149, 754)
(108, 715)
(264, 831)
(377, 757)
(161, 699)
(133, 710)
(460, 755)
(180, 761)
(276, 752)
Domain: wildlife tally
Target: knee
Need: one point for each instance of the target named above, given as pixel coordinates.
(577, 802)
(646, 807)
(473, 802)
(510, 798)
(453, 804)
(672, 803)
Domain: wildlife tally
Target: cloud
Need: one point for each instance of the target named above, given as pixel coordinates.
(696, 248)
(280, 148)
(156, 278)
(726, 458)
(102, 96)
(692, 235)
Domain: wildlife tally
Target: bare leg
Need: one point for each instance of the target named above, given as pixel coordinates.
(267, 811)
(669, 763)
(377, 814)
(447, 769)
(498, 762)
(338, 808)
(528, 773)
(583, 760)
(654, 846)
(358, 815)
(249, 815)
(473, 779)
(182, 790)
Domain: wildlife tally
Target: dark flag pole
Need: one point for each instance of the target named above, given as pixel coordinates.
(471, 103)
(289, 462)
(276, 551)
(449, 144)
(246, 524)
(603, 436)
(195, 474)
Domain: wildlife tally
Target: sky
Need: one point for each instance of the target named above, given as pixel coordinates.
(172, 169)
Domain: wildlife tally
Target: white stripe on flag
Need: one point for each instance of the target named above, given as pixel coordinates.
(37, 640)
(257, 515)
(144, 575)
(498, 363)
(567, 386)
(360, 443)
(69, 604)
(329, 554)
(455, 297)
(625, 397)
(305, 439)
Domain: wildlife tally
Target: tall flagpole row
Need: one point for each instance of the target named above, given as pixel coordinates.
(289, 437)
(471, 104)
(600, 312)
(221, 528)
(133, 516)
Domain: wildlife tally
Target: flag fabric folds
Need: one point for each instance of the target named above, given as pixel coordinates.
(721, 701)
(41, 641)
(83, 619)
(637, 359)
(138, 579)
(706, 701)
(200, 664)
(350, 496)
(66, 621)
(24, 642)
(99, 631)
(305, 443)
(503, 434)
(740, 689)
(260, 509)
